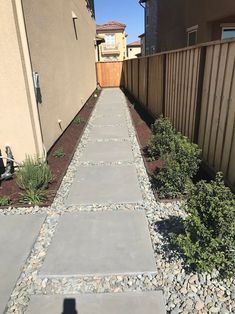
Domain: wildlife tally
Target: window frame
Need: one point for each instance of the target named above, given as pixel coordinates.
(227, 26)
(106, 42)
(191, 30)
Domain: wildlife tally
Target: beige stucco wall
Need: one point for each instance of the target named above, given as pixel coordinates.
(66, 65)
(120, 40)
(132, 52)
(19, 125)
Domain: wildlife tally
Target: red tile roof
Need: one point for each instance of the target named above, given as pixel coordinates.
(135, 43)
(111, 25)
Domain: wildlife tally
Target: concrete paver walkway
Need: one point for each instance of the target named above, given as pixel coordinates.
(17, 235)
(80, 248)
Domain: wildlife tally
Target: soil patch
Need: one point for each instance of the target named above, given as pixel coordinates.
(68, 141)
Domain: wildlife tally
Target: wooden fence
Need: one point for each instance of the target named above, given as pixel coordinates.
(109, 74)
(195, 88)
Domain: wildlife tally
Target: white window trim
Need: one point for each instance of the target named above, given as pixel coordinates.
(192, 28)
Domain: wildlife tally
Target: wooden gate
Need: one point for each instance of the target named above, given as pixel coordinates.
(109, 74)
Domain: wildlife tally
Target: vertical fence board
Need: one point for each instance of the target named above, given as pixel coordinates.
(155, 79)
(217, 102)
(205, 95)
(135, 72)
(229, 133)
(213, 80)
(195, 88)
(225, 99)
(143, 81)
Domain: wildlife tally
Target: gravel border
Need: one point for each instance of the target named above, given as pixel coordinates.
(185, 292)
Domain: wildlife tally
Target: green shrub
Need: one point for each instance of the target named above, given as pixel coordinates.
(180, 165)
(59, 153)
(209, 240)
(187, 155)
(162, 140)
(33, 197)
(170, 181)
(5, 201)
(34, 174)
(78, 120)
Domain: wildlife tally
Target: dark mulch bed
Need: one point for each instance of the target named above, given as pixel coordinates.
(68, 141)
(142, 121)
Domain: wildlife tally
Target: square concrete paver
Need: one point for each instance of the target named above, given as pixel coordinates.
(109, 132)
(17, 236)
(107, 152)
(104, 185)
(109, 119)
(119, 303)
(100, 243)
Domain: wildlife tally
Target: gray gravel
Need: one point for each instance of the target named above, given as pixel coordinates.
(185, 292)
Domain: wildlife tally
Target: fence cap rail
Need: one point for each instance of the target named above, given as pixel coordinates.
(207, 44)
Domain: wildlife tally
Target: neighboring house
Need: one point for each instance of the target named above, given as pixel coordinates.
(114, 47)
(47, 72)
(150, 34)
(134, 49)
(142, 44)
(179, 23)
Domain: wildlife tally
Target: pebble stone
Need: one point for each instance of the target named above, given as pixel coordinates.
(181, 288)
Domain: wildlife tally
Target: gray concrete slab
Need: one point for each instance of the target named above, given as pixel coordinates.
(104, 185)
(111, 109)
(17, 236)
(100, 243)
(107, 152)
(109, 119)
(119, 303)
(109, 132)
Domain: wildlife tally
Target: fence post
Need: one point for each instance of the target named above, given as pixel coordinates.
(132, 77)
(199, 93)
(138, 79)
(164, 86)
(147, 83)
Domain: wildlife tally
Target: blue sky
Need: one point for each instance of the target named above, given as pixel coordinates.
(127, 11)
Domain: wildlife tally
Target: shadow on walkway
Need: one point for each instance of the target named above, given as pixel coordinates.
(69, 306)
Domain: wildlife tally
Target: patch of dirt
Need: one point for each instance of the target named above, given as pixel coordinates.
(142, 122)
(69, 141)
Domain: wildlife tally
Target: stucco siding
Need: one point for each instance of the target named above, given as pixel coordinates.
(66, 64)
(18, 115)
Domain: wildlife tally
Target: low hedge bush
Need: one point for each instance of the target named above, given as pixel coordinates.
(180, 158)
(209, 240)
(162, 138)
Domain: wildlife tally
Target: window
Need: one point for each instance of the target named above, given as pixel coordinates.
(110, 40)
(192, 35)
(228, 32)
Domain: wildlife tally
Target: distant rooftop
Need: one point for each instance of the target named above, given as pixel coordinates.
(111, 25)
(134, 44)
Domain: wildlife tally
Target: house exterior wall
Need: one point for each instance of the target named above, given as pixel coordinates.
(19, 121)
(132, 52)
(151, 22)
(66, 64)
(170, 19)
(120, 42)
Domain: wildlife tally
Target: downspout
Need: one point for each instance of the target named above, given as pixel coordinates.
(28, 78)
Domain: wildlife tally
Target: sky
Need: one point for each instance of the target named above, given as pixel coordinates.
(128, 12)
